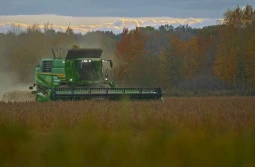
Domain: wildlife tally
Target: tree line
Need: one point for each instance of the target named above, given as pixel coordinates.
(214, 57)
(217, 57)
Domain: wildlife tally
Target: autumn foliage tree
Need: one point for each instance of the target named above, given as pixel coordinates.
(235, 53)
(251, 59)
(171, 62)
(181, 60)
(130, 55)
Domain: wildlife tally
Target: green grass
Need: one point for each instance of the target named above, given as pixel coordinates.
(178, 132)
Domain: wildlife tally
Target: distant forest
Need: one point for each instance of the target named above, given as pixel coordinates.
(217, 57)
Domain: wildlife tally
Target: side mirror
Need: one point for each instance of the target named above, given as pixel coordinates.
(111, 64)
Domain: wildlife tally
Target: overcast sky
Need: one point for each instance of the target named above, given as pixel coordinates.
(113, 15)
(121, 8)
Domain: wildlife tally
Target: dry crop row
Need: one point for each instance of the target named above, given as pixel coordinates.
(179, 132)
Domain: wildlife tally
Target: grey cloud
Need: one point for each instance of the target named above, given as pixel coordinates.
(111, 24)
(131, 8)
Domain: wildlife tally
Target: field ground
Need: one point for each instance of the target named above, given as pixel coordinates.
(211, 131)
(209, 93)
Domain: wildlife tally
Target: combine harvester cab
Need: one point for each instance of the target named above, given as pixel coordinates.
(80, 76)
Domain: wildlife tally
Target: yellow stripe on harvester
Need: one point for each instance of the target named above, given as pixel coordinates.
(46, 73)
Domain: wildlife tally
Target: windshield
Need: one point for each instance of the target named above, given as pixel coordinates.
(90, 71)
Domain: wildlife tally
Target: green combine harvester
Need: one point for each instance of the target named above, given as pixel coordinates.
(80, 76)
